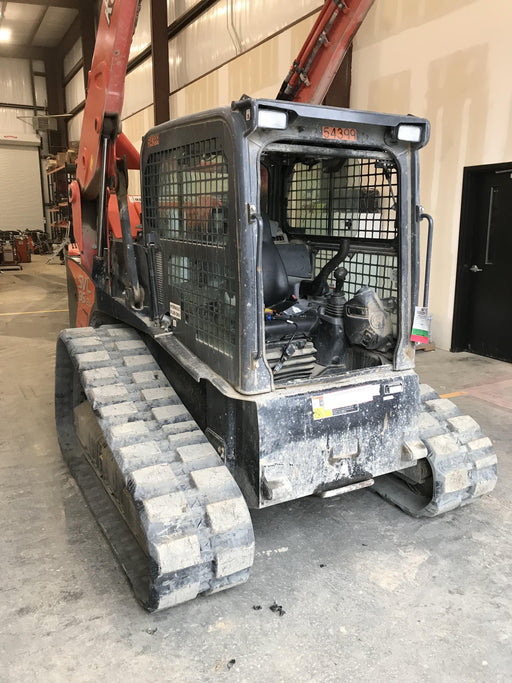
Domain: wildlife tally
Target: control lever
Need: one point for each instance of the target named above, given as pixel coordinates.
(475, 269)
(340, 275)
(336, 302)
(318, 286)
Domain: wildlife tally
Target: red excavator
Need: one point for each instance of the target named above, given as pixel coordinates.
(244, 334)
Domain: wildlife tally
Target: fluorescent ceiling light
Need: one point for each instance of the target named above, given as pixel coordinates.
(5, 33)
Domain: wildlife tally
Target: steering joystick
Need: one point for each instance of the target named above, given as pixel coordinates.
(340, 275)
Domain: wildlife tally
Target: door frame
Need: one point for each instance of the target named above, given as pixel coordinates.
(462, 303)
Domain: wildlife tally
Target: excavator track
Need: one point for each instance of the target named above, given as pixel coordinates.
(166, 502)
(460, 465)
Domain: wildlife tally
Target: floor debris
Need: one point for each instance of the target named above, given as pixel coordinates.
(278, 609)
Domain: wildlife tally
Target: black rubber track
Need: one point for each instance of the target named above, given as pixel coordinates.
(166, 502)
(462, 462)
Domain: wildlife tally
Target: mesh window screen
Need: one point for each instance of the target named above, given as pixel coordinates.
(345, 198)
(191, 201)
(374, 270)
(207, 299)
(354, 198)
(186, 199)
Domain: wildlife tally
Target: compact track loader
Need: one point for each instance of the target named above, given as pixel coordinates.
(248, 342)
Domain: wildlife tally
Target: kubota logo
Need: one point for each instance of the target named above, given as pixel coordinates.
(84, 290)
(109, 8)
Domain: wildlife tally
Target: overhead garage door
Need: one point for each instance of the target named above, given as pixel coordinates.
(21, 205)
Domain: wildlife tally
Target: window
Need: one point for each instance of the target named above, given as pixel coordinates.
(186, 204)
(348, 197)
(190, 202)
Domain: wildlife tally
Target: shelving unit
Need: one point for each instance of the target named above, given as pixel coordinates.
(61, 219)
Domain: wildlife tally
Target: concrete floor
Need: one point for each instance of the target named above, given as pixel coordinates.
(369, 593)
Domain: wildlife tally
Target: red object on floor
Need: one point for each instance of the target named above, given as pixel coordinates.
(23, 250)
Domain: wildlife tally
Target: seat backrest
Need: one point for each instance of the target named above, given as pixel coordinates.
(297, 261)
(276, 287)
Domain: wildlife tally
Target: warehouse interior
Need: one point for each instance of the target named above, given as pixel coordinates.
(342, 588)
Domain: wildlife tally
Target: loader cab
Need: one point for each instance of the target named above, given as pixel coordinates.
(286, 239)
(337, 215)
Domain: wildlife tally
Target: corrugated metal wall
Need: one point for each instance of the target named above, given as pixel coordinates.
(74, 90)
(15, 88)
(227, 31)
(19, 157)
(236, 47)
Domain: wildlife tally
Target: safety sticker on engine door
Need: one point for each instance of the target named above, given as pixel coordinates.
(420, 325)
(343, 401)
(175, 311)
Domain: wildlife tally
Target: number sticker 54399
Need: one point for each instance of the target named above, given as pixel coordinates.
(339, 134)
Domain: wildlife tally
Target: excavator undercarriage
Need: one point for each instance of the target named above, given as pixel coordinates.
(243, 330)
(168, 503)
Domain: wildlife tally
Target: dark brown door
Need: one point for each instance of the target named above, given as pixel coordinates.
(483, 303)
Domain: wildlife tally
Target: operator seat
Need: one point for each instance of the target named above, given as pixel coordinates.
(276, 287)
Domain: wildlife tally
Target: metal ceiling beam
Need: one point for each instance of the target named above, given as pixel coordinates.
(160, 57)
(87, 18)
(23, 51)
(56, 100)
(70, 38)
(67, 4)
(37, 25)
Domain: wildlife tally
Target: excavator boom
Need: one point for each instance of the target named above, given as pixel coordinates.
(105, 91)
(323, 51)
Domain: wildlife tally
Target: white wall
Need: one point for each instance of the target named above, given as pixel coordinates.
(15, 88)
(72, 58)
(142, 35)
(19, 157)
(257, 71)
(75, 91)
(229, 29)
(134, 128)
(75, 127)
(450, 62)
(138, 89)
(15, 83)
(176, 8)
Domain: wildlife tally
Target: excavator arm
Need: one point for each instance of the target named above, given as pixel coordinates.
(323, 51)
(105, 94)
(102, 143)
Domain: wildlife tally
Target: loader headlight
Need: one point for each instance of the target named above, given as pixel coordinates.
(408, 132)
(270, 118)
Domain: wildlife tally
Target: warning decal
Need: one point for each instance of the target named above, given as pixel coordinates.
(175, 311)
(420, 325)
(343, 401)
